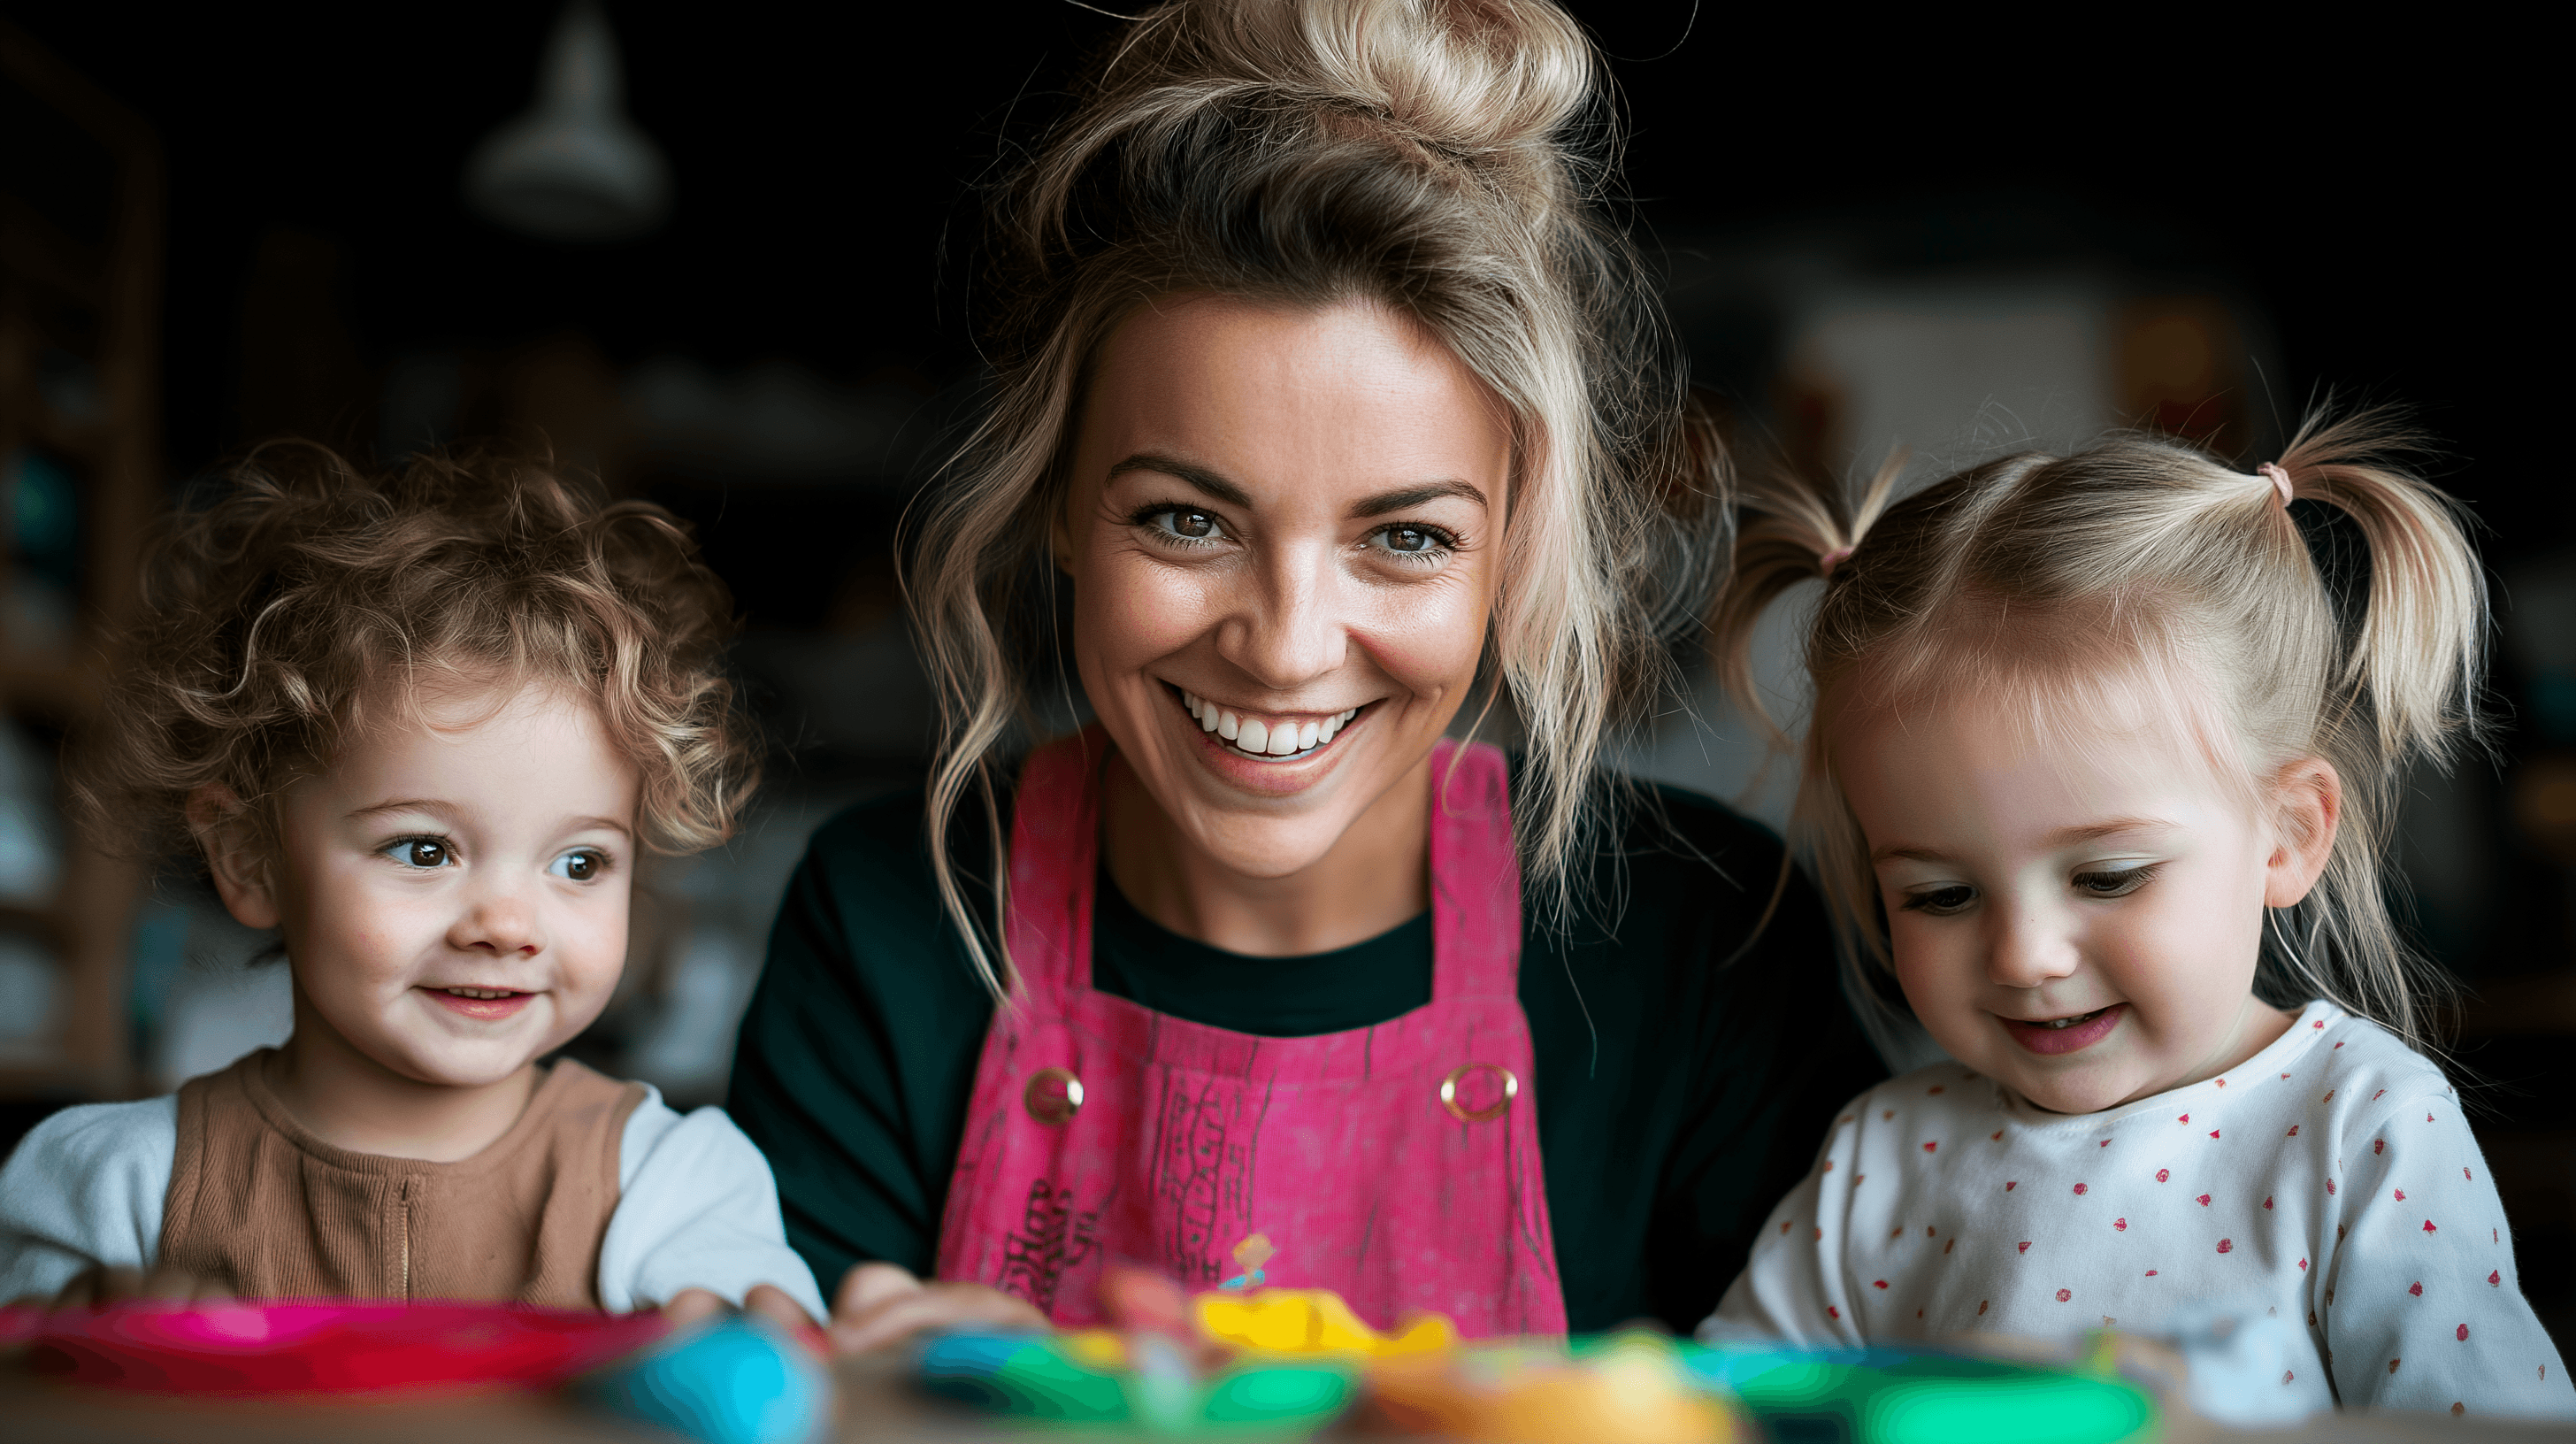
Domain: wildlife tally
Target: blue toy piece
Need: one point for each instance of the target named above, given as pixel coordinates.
(739, 1381)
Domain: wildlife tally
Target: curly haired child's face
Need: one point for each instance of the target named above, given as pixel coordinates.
(453, 891)
(2078, 915)
(1283, 531)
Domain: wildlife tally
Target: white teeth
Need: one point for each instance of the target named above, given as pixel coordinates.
(480, 993)
(1306, 735)
(1207, 718)
(1254, 736)
(1331, 726)
(1190, 704)
(1229, 726)
(1283, 739)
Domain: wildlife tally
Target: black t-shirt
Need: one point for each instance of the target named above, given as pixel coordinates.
(1681, 1088)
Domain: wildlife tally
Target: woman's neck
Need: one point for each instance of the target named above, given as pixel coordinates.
(349, 1100)
(1377, 876)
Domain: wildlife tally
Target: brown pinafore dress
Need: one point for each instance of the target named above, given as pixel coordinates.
(257, 1200)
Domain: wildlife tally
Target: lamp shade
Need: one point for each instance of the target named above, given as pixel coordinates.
(573, 168)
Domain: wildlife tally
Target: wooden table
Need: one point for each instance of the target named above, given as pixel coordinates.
(875, 1408)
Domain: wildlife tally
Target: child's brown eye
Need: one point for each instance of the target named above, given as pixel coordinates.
(579, 865)
(420, 852)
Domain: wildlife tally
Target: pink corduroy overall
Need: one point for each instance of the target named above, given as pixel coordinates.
(1397, 1165)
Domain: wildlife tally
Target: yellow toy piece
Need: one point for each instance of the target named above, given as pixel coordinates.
(1313, 1321)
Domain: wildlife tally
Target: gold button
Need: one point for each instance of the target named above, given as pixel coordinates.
(1054, 1096)
(1454, 1093)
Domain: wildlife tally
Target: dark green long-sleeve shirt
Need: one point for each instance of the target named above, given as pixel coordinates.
(1679, 1094)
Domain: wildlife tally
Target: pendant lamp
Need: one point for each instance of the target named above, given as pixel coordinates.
(573, 168)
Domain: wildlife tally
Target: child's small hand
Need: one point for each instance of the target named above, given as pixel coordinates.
(103, 1284)
(693, 1306)
(881, 1304)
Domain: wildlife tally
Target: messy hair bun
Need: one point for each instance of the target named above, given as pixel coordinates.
(1438, 157)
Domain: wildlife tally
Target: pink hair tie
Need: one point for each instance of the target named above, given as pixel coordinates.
(2280, 479)
(1825, 564)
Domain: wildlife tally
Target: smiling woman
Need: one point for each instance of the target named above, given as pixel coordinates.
(1327, 413)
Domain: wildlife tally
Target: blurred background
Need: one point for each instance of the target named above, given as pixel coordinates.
(724, 257)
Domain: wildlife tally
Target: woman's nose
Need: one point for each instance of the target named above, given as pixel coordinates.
(1287, 629)
(2029, 948)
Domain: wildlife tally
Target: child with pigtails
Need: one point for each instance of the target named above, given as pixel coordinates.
(2099, 775)
(421, 725)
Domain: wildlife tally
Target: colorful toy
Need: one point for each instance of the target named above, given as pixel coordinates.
(1904, 1396)
(1626, 1389)
(739, 1381)
(733, 1382)
(1102, 1378)
(1312, 1321)
(1252, 1253)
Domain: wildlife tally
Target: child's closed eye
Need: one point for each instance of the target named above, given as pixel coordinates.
(1941, 902)
(2111, 883)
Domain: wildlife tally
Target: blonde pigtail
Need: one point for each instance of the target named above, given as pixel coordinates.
(1795, 529)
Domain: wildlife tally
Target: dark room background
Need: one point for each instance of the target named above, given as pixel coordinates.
(1958, 231)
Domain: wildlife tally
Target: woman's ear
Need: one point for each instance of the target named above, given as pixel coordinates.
(2307, 804)
(236, 854)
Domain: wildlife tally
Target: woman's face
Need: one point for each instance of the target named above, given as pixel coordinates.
(1283, 529)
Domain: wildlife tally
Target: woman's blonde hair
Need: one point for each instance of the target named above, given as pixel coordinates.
(2054, 580)
(1437, 157)
(313, 599)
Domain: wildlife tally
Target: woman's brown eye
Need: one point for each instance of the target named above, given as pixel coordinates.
(1194, 524)
(1408, 539)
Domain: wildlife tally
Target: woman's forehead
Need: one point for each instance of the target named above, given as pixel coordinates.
(1350, 396)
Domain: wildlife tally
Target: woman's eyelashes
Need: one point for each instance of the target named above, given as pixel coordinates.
(1188, 527)
(1414, 543)
(1191, 528)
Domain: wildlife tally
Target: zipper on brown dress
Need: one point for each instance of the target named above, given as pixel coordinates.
(406, 1240)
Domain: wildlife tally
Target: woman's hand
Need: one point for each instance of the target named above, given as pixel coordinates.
(881, 1304)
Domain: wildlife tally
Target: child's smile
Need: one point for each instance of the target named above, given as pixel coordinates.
(2077, 913)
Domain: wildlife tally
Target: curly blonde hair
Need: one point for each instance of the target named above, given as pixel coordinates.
(1442, 158)
(314, 599)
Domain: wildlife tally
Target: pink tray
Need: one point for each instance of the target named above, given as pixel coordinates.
(322, 1348)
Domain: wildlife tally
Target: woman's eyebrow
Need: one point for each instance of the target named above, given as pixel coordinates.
(1197, 476)
(1398, 500)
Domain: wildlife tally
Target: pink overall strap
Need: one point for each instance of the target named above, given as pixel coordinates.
(1055, 853)
(1475, 874)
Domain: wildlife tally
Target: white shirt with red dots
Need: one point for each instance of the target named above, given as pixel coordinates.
(2329, 1180)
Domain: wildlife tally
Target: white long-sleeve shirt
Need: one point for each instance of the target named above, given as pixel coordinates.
(2330, 1181)
(696, 1206)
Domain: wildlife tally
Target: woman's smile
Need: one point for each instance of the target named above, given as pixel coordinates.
(1277, 754)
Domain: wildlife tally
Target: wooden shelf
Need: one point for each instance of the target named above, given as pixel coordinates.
(101, 304)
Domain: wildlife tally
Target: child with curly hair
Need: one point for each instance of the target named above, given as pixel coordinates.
(420, 724)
